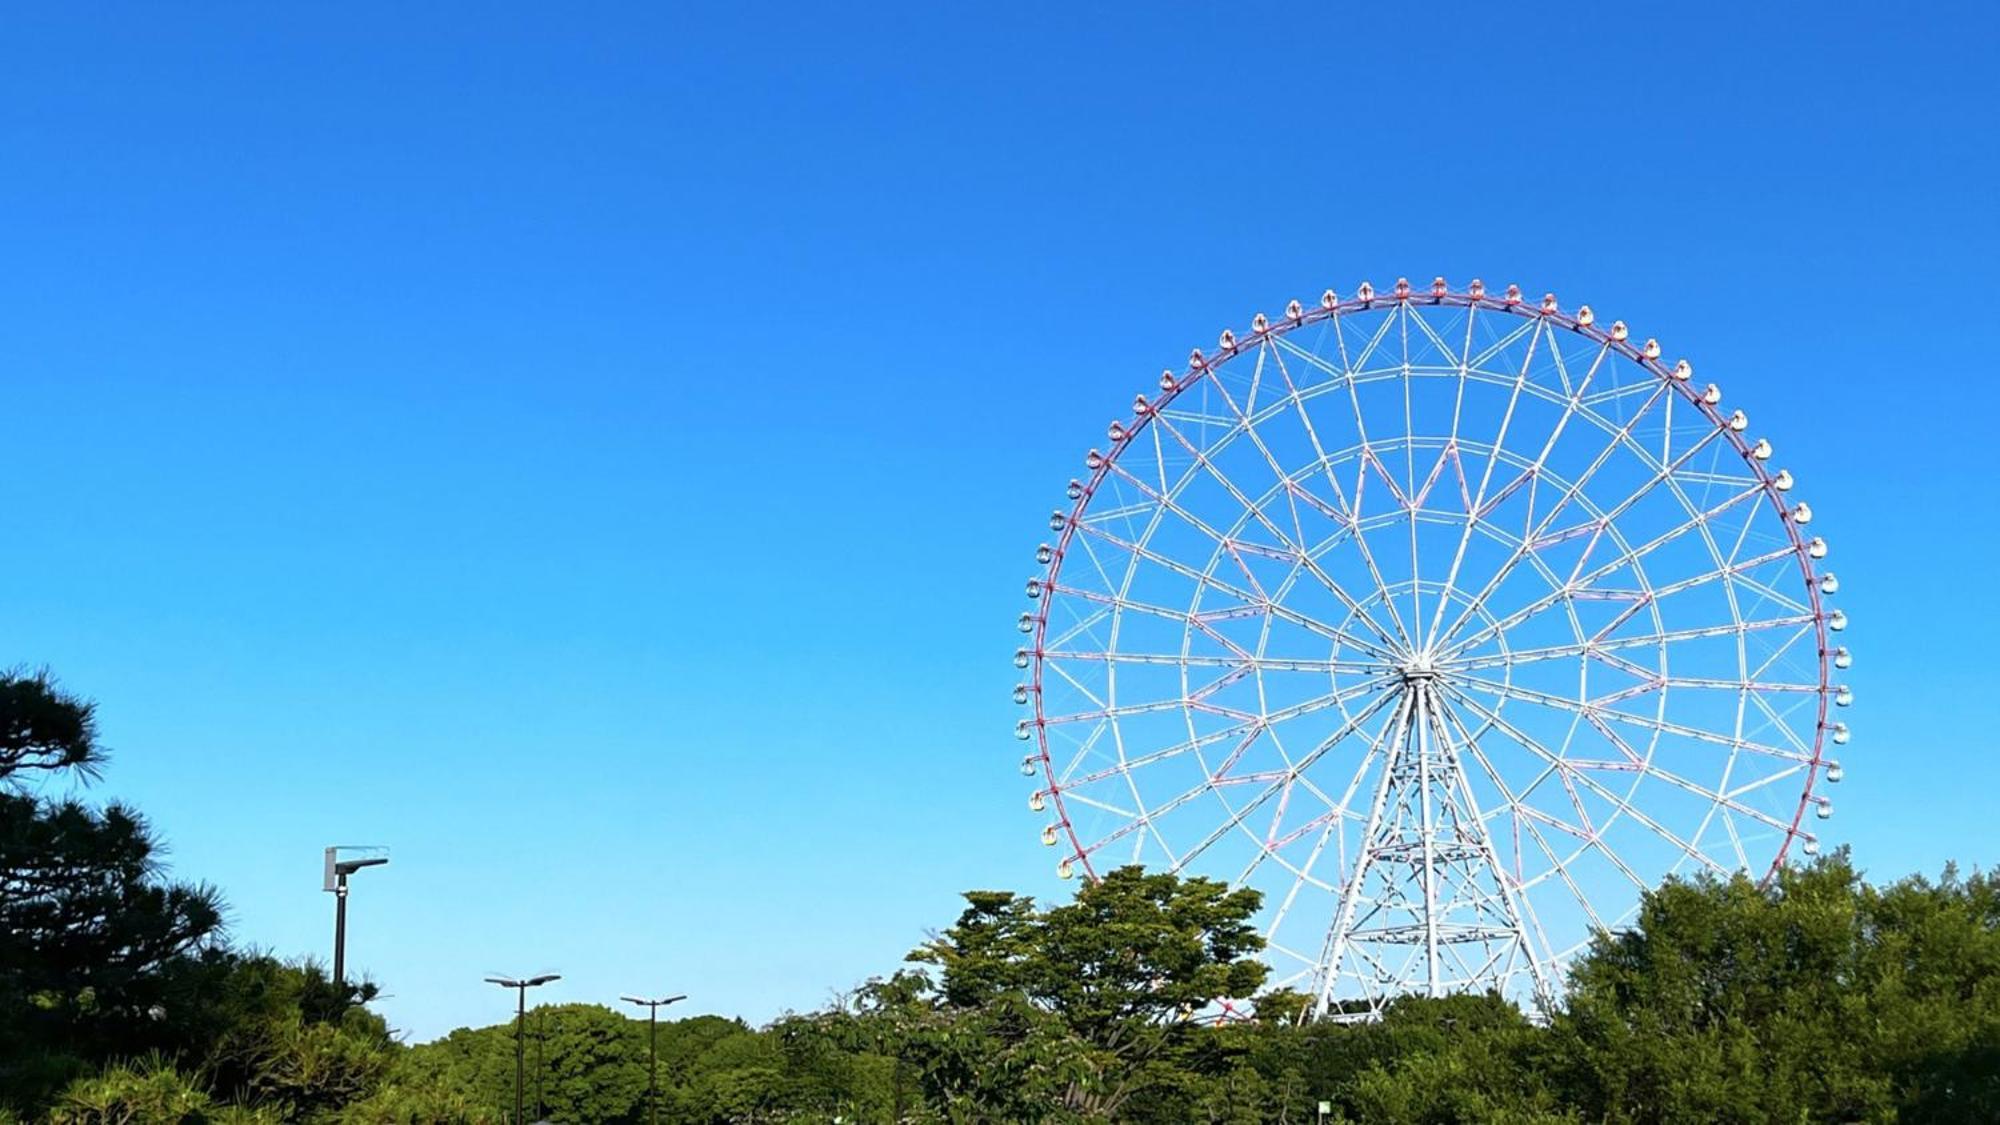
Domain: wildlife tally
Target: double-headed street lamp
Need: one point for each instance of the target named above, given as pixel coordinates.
(521, 988)
(652, 1049)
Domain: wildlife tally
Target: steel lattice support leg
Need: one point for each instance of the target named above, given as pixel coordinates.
(1428, 907)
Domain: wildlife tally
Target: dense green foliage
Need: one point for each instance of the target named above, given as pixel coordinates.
(1817, 997)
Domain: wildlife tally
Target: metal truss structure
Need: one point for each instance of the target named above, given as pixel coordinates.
(1449, 620)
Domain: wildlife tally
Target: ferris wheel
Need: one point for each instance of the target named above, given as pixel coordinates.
(1450, 621)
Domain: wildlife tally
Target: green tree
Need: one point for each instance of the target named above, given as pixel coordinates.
(1816, 997)
(293, 1042)
(400, 1100)
(588, 1062)
(1465, 1057)
(92, 938)
(1074, 1011)
(595, 1062)
(149, 1092)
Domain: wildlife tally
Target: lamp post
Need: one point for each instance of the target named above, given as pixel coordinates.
(337, 871)
(652, 1049)
(521, 988)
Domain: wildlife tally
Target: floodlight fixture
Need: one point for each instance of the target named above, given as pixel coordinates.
(342, 860)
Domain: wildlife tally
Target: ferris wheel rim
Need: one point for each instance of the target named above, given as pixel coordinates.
(1615, 339)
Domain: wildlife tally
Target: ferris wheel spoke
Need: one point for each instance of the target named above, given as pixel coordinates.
(1373, 685)
(1133, 710)
(1297, 553)
(1303, 877)
(1351, 518)
(1336, 810)
(1246, 424)
(1477, 502)
(1801, 632)
(1710, 684)
(1281, 783)
(1295, 782)
(1318, 822)
(1663, 475)
(1368, 459)
(1164, 499)
(1611, 566)
(1254, 724)
(1766, 595)
(1258, 663)
(1449, 452)
(1410, 475)
(1526, 477)
(1516, 800)
(1764, 781)
(1203, 622)
(1148, 819)
(1127, 766)
(1141, 824)
(1083, 690)
(1345, 376)
(1532, 818)
(1652, 681)
(1081, 627)
(1232, 546)
(1731, 570)
(1257, 513)
(1620, 805)
(1781, 725)
(1296, 565)
(1239, 815)
(1587, 709)
(1548, 519)
(1099, 804)
(1347, 512)
(1651, 769)
(1324, 823)
(1140, 551)
(1556, 767)
(1592, 647)
(1096, 563)
(1606, 523)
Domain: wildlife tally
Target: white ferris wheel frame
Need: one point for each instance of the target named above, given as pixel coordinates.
(1436, 723)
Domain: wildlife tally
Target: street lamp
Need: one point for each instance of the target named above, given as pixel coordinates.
(652, 1049)
(521, 988)
(337, 871)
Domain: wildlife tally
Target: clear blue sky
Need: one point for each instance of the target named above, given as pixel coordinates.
(597, 451)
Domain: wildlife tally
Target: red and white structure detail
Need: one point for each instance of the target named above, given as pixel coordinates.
(1448, 619)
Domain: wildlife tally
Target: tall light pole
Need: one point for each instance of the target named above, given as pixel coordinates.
(521, 988)
(337, 871)
(652, 1049)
